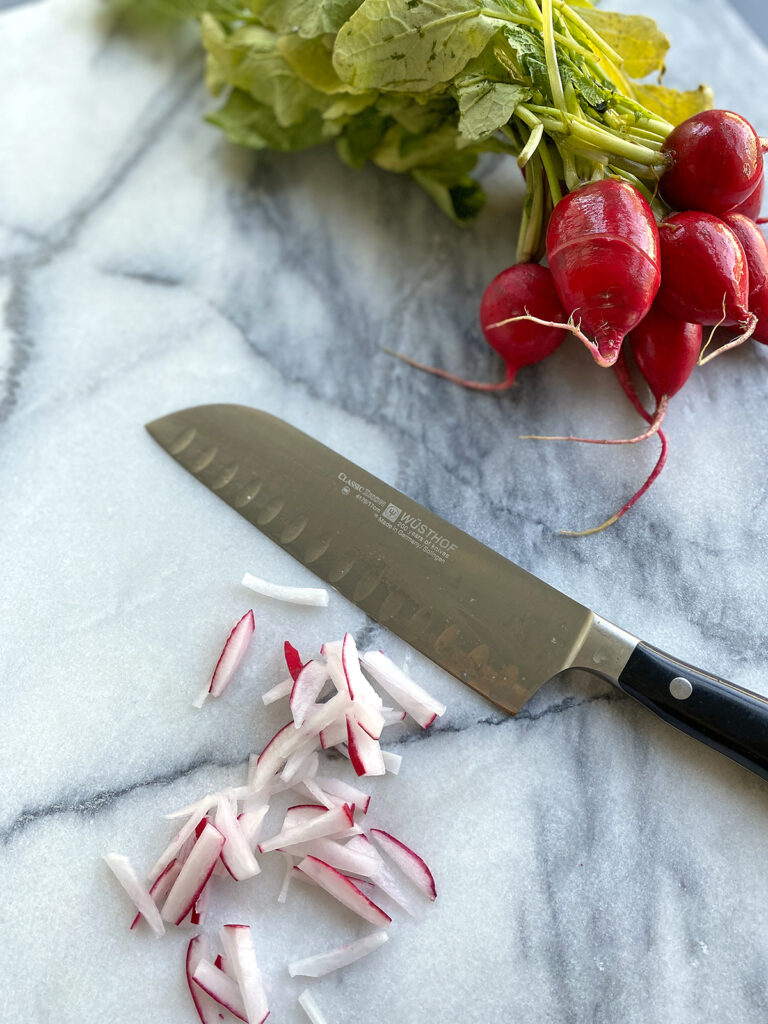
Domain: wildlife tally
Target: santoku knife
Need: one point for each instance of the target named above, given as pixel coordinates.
(479, 616)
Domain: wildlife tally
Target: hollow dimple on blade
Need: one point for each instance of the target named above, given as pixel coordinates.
(479, 616)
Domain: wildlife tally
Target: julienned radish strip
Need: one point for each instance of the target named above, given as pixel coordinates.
(419, 704)
(409, 862)
(325, 824)
(292, 660)
(208, 1010)
(277, 692)
(306, 689)
(236, 855)
(230, 657)
(324, 963)
(364, 751)
(340, 856)
(126, 875)
(345, 792)
(406, 896)
(238, 948)
(161, 887)
(308, 1003)
(344, 890)
(317, 597)
(194, 874)
(221, 987)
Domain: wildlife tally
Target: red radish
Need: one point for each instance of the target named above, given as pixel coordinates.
(344, 792)
(409, 862)
(756, 251)
(753, 204)
(161, 887)
(705, 278)
(344, 890)
(603, 250)
(340, 856)
(419, 704)
(208, 1010)
(220, 987)
(385, 880)
(238, 947)
(323, 963)
(229, 659)
(522, 291)
(364, 751)
(200, 910)
(292, 660)
(126, 875)
(194, 875)
(715, 162)
(306, 689)
(325, 824)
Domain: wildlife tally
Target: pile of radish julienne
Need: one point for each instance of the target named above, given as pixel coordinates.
(333, 706)
(617, 279)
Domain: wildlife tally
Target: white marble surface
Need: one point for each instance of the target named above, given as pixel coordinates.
(593, 866)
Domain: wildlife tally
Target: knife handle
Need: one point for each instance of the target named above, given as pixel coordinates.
(726, 717)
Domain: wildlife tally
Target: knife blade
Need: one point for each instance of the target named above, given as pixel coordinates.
(491, 624)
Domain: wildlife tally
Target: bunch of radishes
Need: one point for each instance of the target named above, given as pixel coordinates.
(615, 273)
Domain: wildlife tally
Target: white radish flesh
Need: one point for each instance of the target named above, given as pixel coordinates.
(289, 865)
(221, 987)
(344, 791)
(308, 1003)
(392, 762)
(161, 886)
(185, 832)
(385, 879)
(305, 691)
(236, 854)
(314, 596)
(339, 856)
(410, 863)
(325, 824)
(208, 1010)
(238, 947)
(364, 752)
(126, 875)
(232, 654)
(419, 704)
(324, 963)
(344, 890)
(277, 692)
(359, 687)
(194, 874)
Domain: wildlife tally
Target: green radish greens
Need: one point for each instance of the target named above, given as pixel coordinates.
(424, 88)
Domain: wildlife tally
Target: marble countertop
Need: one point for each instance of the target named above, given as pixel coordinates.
(593, 865)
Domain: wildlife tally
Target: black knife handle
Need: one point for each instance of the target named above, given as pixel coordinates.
(724, 716)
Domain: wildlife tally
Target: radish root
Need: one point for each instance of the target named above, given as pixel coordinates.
(572, 326)
(750, 325)
(475, 385)
(655, 425)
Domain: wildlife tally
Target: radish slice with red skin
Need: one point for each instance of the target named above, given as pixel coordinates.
(126, 875)
(359, 687)
(344, 890)
(392, 716)
(238, 947)
(306, 689)
(343, 858)
(334, 734)
(369, 719)
(292, 660)
(310, 787)
(408, 861)
(407, 897)
(300, 814)
(232, 654)
(236, 854)
(220, 987)
(161, 886)
(324, 963)
(194, 875)
(317, 597)
(344, 791)
(419, 704)
(364, 752)
(199, 912)
(208, 1010)
(325, 824)
(308, 1003)
(277, 692)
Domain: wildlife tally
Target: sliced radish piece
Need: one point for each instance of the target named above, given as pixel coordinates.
(194, 874)
(419, 704)
(325, 824)
(200, 807)
(334, 734)
(305, 691)
(300, 814)
(315, 596)
(344, 791)
(298, 759)
(288, 875)
(251, 822)
(392, 716)
(385, 880)
(369, 719)
(359, 687)
(185, 832)
(308, 1003)
(161, 886)
(323, 963)
(208, 1010)
(344, 890)
(236, 854)
(126, 875)
(238, 947)
(392, 762)
(350, 861)
(410, 863)
(277, 692)
(199, 912)
(232, 654)
(219, 986)
(311, 788)
(364, 752)
(293, 661)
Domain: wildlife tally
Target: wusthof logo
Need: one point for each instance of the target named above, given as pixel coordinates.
(392, 513)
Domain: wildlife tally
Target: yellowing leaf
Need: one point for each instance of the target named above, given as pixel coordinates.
(312, 61)
(637, 39)
(671, 104)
